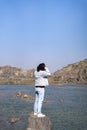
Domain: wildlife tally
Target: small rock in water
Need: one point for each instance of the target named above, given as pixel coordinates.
(19, 94)
(14, 120)
(25, 96)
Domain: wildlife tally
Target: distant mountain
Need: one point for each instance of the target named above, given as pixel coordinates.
(73, 73)
(13, 75)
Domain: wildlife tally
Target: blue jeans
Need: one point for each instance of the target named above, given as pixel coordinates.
(39, 97)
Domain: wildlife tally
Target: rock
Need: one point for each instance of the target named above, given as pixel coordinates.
(14, 120)
(45, 101)
(19, 94)
(25, 96)
(38, 123)
(29, 97)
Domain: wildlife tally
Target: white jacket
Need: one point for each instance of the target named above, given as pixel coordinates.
(41, 77)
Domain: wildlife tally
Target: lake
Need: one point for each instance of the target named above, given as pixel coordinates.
(66, 106)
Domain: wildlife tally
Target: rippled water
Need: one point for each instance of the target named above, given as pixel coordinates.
(66, 107)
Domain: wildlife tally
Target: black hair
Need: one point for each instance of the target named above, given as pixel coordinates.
(41, 66)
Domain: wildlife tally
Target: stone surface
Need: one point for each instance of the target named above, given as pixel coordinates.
(38, 123)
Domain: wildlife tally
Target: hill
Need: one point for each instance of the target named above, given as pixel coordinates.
(73, 73)
(13, 75)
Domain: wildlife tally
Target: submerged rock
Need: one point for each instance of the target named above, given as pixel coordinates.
(29, 97)
(19, 94)
(14, 120)
(25, 96)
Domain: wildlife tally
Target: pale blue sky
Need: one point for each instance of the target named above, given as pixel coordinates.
(50, 31)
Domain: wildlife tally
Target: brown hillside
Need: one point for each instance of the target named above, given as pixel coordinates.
(73, 73)
(13, 75)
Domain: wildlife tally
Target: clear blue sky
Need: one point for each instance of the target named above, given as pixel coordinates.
(50, 31)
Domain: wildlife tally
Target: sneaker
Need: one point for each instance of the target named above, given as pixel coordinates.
(35, 114)
(40, 115)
